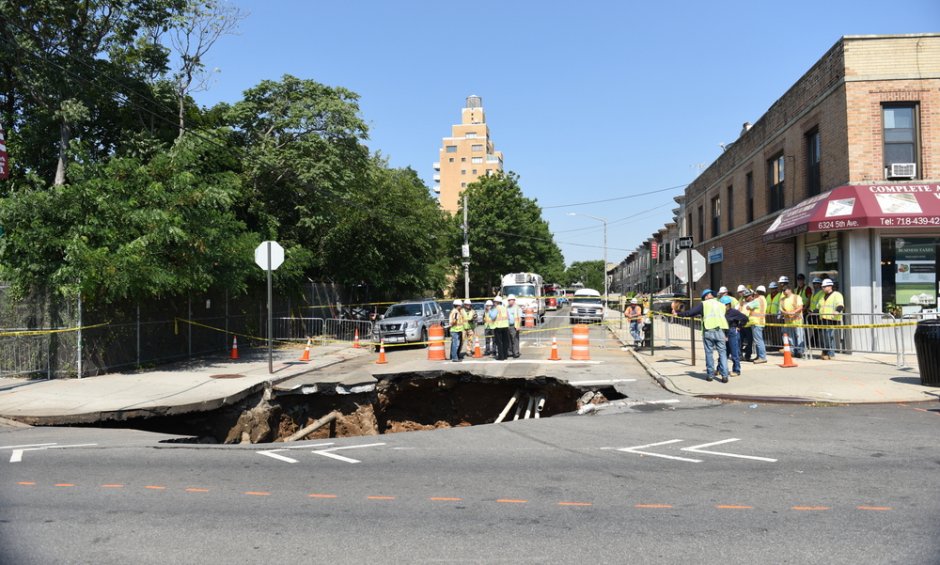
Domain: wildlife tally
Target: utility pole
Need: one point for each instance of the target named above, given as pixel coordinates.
(465, 252)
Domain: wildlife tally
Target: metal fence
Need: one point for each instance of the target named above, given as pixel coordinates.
(559, 326)
(856, 333)
(300, 329)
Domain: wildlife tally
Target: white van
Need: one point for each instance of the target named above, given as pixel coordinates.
(586, 307)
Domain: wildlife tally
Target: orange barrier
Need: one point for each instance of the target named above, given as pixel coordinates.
(530, 317)
(305, 356)
(381, 360)
(554, 356)
(356, 340)
(436, 343)
(477, 354)
(234, 354)
(787, 358)
(580, 343)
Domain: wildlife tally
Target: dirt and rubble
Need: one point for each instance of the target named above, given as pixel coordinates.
(402, 403)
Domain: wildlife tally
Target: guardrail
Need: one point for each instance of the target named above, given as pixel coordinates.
(299, 329)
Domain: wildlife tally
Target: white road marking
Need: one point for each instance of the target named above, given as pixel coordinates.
(329, 452)
(546, 361)
(636, 449)
(601, 382)
(17, 455)
(667, 401)
(697, 449)
(272, 453)
(27, 445)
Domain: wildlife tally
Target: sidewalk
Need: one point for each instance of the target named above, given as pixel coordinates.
(858, 378)
(198, 385)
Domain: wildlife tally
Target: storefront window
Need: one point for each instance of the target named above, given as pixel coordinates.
(909, 274)
(822, 259)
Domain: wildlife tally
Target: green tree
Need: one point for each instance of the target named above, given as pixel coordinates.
(130, 229)
(392, 238)
(588, 273)
(506, 234)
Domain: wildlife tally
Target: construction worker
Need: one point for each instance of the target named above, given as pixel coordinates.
(805, 292)
(500, 318)
(772, 332)
(634, 315)
(812, 313)
(831, 308)
(747, 336)
(736, 321)
(488, 329)
(714, 324)
(756, 310)
(515, 322)
(791, 308)
(469, 327)
(456, 320)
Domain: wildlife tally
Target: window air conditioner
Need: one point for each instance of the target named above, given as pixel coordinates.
(902, 171)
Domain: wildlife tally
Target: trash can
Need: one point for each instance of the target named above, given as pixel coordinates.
(927, 343)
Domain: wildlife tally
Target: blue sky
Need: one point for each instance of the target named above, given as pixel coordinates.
(587, 100)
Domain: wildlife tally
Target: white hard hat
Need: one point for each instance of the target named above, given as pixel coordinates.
(827, 282)
(741, 288)
(784, 280)
(511, 297)
(760, 288)
(498, 298)
(458, 303)
(467, 302)
(723, 290)
(633, 301)
(488, 303)
(772, 284)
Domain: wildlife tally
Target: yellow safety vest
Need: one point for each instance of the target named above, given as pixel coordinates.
(815, 300)
(756, 316)
(456, 320)
(487, 322)
(734, 302)
(773, 304)
(502, 317)
(468, 316)
(713, 315)
(794, 305)
(828, 305)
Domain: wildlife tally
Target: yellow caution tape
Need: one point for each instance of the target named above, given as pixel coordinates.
(21, 333)
(812, 326)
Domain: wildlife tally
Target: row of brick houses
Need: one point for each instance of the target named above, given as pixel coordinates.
(841, 176)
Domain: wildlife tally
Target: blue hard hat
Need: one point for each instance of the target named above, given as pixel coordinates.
(725, 300)
(707, 291)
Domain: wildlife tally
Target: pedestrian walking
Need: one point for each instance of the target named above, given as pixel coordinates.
(831, 308)
(736, 321)
(714, 324)
(456, 321)
(488, 348)
(514, 313)
(500, 318)
(791, 308)
(634, 315)
(469, 328)
(756, 310)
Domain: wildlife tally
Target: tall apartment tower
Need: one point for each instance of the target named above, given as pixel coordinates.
(465, 156)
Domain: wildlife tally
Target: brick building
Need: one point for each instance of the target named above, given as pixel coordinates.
(841, 176)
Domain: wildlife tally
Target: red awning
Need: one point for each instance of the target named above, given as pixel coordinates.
(861, 206)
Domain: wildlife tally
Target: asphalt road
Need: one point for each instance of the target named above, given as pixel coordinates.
(822, 485)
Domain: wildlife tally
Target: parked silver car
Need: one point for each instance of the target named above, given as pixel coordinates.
(408, 321)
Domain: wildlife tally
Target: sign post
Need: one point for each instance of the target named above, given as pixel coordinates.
(269, 256)
(653, 256)
(689, 268)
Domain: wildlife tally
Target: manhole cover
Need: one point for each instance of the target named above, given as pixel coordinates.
(226, 376)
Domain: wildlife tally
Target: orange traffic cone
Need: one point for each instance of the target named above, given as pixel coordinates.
(356, 340)
(787, 358)
(305, 356)
(234, 353)
(477, 354)
(554, 356)
(381, 360)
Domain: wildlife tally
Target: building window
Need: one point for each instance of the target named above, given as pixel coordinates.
(775, 179)
(477, 160)
(716, 216)
(473, 172)
(749, 188)
(813, 157)
(451, 148)
(463, 159)
(463, 185)
(450, 160)
(900, 134)
(470, 134)
(476, 148)
(730, 199)
(701, 224)
(463, 171)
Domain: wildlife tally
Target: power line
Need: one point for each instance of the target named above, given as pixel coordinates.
(657, 191)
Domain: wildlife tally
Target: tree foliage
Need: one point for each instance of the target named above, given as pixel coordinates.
(506, 234)
(588, 273)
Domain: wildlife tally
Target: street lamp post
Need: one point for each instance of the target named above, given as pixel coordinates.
(603, 221)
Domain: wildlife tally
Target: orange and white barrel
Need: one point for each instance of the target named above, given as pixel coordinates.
(580, 343)
(436, 343)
